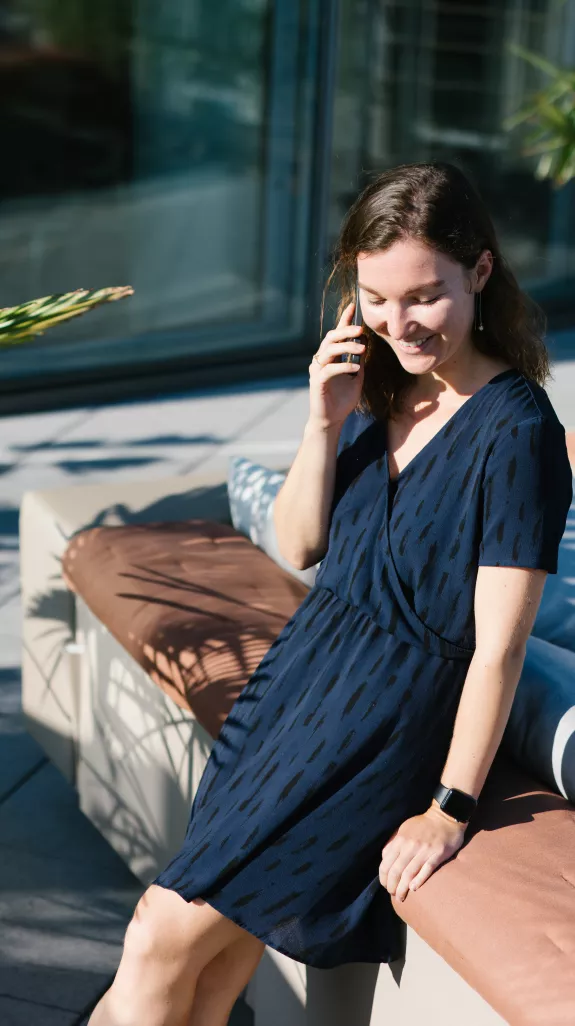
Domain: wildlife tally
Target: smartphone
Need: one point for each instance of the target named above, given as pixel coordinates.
(353, 357)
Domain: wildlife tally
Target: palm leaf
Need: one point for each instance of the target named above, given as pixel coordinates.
(541, 63)
(20, 323)
(550, 113)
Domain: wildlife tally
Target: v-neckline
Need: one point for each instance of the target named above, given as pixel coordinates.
(393, 480)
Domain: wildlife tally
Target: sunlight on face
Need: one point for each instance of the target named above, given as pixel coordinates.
(409, 294)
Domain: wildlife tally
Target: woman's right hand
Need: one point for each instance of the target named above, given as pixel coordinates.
(335, 388)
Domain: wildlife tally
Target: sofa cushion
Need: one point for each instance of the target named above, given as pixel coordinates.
(252, 491)
(194, 602)
(501, 912)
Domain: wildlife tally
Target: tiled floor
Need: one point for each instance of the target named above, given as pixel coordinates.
(65, 896)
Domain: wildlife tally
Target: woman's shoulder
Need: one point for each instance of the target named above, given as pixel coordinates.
(521, 400)
(527, 441)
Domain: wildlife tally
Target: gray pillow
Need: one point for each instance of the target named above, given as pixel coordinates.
(540, 731)
(252, 489)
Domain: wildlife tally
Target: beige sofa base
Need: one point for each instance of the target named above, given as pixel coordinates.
(139, 756)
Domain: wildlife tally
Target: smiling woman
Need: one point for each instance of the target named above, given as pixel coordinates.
(429, 263)
(355, 755)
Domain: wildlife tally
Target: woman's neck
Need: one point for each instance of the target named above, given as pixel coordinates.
(450, 389)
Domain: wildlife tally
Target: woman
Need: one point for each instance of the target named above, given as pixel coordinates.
(396, 675)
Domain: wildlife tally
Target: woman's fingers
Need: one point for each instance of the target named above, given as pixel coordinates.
(346, 315)
(406, 867)
(427, 869)
(330, 403)
(414, 870)
(331, 370)
(389, 854)
(339, 334)
(334, 349)
(340, 341)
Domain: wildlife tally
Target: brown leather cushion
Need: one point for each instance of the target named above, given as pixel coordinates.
(195, 603)
(501, 912)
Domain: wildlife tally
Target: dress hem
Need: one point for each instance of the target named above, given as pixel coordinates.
(265, 939)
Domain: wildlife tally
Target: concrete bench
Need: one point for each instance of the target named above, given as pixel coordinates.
(126, 683)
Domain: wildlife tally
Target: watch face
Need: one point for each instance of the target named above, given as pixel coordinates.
(458, 805)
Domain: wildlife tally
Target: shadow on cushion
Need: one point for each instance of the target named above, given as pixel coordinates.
(194, 603)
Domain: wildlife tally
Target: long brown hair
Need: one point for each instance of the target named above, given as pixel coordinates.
(436, 204)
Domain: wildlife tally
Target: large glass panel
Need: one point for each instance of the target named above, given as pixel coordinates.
(162, 145)
(434, 80)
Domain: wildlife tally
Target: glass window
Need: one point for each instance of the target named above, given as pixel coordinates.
(165, 146)
(434, 80)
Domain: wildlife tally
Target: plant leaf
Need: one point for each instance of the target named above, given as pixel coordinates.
(19, 323)
(551, 114)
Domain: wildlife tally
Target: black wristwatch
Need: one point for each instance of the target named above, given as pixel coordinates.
(455, 803)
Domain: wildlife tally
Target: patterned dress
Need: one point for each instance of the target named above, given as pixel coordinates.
(343, 730)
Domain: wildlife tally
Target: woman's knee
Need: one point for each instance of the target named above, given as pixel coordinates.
(164, 925)
(159, 925)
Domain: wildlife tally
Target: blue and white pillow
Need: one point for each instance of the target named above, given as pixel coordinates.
(540, 732)
(252, 490)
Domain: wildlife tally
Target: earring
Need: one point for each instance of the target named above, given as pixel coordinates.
(478, 313)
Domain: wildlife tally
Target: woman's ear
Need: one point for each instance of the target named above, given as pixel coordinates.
(483, 269)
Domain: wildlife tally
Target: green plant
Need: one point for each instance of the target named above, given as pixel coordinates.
(20, 323)
(551, 113)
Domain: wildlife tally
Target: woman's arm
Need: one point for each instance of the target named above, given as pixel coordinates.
(527, 492)
(302, 505)
(506, 603)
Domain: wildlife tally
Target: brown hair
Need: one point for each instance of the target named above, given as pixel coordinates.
(435, 203)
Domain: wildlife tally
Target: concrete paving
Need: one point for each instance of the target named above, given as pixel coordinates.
(65, 896)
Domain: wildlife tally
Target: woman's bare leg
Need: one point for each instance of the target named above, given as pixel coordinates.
(221, 982)
(168, 942)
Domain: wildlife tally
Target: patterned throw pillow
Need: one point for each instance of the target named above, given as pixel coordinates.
(252, 489)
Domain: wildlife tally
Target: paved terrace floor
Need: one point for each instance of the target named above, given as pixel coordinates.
(65, 896)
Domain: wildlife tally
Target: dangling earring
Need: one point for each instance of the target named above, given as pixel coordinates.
(478, 313)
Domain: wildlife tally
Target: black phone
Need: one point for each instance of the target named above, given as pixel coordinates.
(353, 357)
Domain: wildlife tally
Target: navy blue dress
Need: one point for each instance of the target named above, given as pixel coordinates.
(343, 730)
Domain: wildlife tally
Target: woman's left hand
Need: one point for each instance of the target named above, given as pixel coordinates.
(417, 848)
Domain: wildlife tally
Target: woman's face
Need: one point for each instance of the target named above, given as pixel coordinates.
(418, 300)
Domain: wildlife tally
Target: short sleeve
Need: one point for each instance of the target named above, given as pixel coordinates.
(527, 492)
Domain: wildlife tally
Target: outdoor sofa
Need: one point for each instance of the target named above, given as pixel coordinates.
(145, 613)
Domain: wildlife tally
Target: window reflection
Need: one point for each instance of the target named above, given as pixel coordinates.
(148, 147)
(434, 80)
